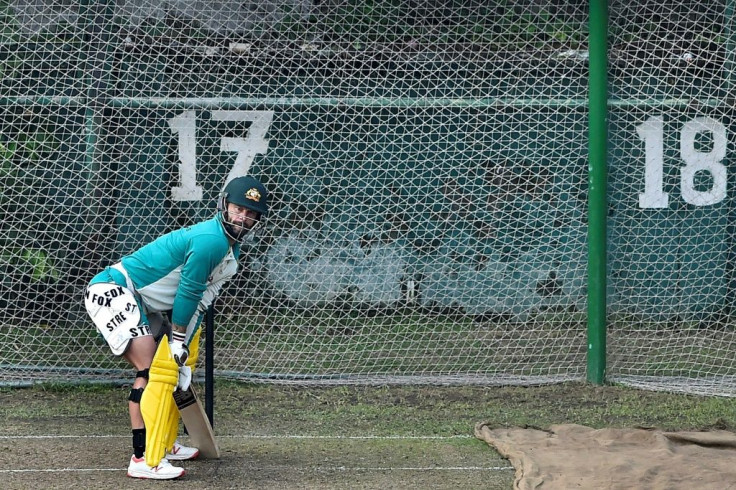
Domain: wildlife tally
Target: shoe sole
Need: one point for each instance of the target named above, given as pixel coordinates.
(176, 457)
(148, 476)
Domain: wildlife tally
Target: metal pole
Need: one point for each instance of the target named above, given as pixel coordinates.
(209, 365)
(597, 186)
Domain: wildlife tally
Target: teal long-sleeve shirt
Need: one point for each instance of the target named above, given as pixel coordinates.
(184, 270)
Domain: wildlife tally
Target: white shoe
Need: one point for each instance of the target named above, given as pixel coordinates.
(164, 471)
(182, 453)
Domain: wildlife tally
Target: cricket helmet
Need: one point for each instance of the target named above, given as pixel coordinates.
(244, 191)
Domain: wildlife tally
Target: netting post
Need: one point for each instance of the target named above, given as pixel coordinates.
(209, 365)
(597, 187)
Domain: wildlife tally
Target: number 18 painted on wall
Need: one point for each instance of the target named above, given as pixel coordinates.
(652, 133)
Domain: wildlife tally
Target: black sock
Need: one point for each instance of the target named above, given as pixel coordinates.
(139, 442)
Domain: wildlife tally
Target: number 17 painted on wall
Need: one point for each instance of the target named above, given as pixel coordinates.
(185, 125)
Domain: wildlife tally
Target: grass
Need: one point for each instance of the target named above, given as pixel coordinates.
(301, 345)
(286, 436)
(397, 410)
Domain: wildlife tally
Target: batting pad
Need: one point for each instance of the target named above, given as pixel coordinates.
(157, 402)
(172, 426)
(193, 350)
(173, 423)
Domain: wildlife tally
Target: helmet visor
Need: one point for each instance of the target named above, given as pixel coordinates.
(239, 220)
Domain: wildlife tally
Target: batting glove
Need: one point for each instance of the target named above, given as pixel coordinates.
(178, 349)
(185, 378)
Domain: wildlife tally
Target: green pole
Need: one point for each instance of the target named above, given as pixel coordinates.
(730, 45)
(95, 15)
(597, 184)
(92, 33)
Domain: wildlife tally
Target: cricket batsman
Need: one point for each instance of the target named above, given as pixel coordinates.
(178, 275)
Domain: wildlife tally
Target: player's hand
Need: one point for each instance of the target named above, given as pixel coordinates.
(179, 351)
(185, 378)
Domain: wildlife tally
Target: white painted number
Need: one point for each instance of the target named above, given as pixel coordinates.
(248, 147)
(185, 125)
(652, 132)
(696, 161)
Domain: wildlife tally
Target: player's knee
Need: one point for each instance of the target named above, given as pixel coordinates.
(137, 392)
(135, 395)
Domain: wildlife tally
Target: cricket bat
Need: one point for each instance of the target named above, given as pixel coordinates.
(197, 424)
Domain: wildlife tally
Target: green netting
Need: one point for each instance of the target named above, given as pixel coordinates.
(429, 167)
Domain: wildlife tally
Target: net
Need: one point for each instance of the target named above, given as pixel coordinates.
(670, 244)
(428, 163)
